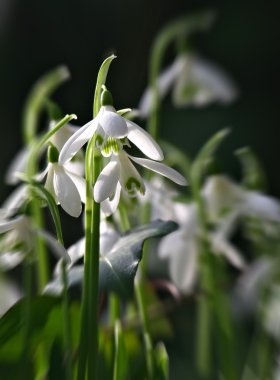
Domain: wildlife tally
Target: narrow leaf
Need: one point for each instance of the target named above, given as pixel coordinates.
(101, 80)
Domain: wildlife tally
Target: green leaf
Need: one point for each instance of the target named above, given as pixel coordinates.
(162, 362)
(253, 173)
(46, 195)
(121, 357)
(101, 80)
(12, 321)
(42, 89)
(118, 268)
(205, 154)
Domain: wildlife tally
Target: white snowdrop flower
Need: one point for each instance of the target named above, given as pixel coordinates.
(195, 82)
(222, 196)
(18, 164)
(68, 189)
(18, 241)
(120, 173)
(112, 132)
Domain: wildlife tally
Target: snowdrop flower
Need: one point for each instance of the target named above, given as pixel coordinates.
(113, 132)
(18, 165)
(182, 248)
(68, 189)
(18, 241)
(226, 204)
(223, 196)
(195, 82)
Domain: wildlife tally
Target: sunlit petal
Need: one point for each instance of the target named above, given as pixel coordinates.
(106, 183)
(113, 124)
(66, 192)
(144, 141)
(162, 169)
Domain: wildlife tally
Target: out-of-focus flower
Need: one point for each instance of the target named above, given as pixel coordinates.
(226, 204)
(18, 241)
(195, 82)
(18, 164)
(68, 189)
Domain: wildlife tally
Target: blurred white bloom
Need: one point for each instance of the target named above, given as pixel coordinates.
(195, 82)
(18, 164)
(18, 241)
(68, 189)
(226, 203)
(9, 295)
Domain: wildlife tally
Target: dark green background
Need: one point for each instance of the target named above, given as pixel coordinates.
(35, 36)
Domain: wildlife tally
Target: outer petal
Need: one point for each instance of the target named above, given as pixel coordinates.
(80, 184)
(17, 166)
(144, 141)
(162, 169)
(11, 224)
(184, 266)
(57, 248)
(113, 124)
(107, 180)
(77, 140)
(10, 260)
(14, 201)
(76, 251)
(66, 192)
(222, 246)
(262, 206)
(109, 206)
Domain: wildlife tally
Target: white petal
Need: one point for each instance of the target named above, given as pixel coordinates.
(167, 244)
(130, 179)
(107, 180)
(9, 225)
(57, 248)
(66, 192)
(18, 165)
(50, 179)
(76, 251)
(109, 206)
(14, 201)
(162, 169)
(113, 124)
(222, 246)
(80, 184)
(144, 141)
(77, 140)
(184, 265)
(10, 260)
(262, 206)
(9, 295)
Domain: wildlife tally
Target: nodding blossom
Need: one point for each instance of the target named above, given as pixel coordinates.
(226, 203)
(194, 82)
(112, 133)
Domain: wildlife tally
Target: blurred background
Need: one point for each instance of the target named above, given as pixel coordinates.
(36, 36)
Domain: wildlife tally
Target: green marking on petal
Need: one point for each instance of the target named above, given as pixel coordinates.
(111, 145)
(133, 186)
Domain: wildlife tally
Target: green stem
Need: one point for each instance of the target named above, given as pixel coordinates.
(140, 299)
(67, 325)
(89, 315)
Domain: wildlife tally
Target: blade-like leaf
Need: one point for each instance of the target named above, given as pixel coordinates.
(36, 100)
(12, 320)
(205, 154)
(253, 172)
(118, 268)
(101, 80)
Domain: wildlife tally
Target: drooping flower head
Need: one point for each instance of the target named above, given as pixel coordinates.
(113, 133)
